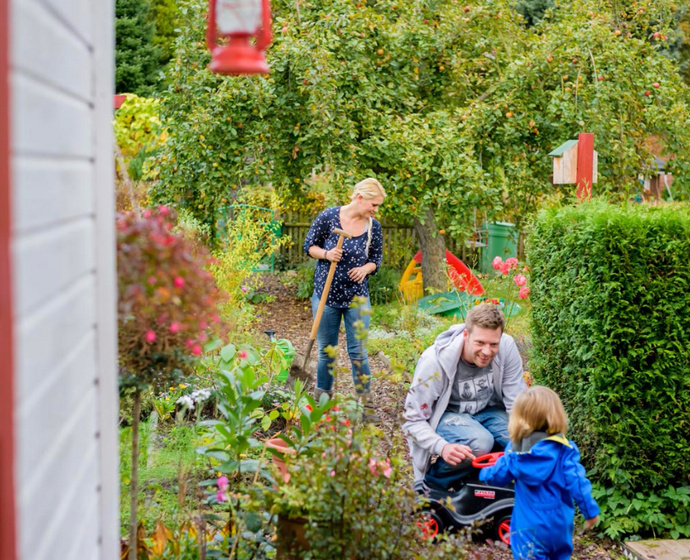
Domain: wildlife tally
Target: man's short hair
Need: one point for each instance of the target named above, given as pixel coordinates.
(486, 316)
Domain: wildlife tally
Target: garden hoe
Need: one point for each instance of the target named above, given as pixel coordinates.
(297, 372)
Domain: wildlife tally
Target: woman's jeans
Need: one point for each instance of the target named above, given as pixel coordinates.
(357, 320)
(481, 432)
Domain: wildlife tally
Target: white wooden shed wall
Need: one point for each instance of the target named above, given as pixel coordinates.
(63, 266)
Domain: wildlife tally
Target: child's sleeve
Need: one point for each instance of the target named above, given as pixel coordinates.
(499, 474)
(580, 488)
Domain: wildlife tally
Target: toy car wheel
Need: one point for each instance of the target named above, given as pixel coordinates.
(502, 529)
(431, 525)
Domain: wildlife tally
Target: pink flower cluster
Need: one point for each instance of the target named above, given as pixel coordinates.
(520, 280)
(223, 485)
(380, 467)
(167, 297)
(504, 266)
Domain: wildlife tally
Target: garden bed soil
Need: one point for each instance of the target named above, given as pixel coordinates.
(291, 318)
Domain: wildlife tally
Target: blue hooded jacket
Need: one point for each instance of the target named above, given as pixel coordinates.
(548, 479)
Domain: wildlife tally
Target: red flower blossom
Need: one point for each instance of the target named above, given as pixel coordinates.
(519, 280)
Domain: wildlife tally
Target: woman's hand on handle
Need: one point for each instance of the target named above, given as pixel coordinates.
(360, 273)
(334, 254)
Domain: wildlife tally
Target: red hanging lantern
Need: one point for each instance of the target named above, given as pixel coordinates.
(239, 21)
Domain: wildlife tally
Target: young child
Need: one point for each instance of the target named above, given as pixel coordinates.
(548, 478)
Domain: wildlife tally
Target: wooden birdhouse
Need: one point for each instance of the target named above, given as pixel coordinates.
(656, 180)
(565, 162)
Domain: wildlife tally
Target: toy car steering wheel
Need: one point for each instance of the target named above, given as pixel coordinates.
(487, 460)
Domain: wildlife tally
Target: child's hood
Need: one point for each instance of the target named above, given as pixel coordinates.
(533, 467)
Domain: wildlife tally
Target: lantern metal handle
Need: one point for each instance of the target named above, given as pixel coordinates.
(211, 26)
(263, 35)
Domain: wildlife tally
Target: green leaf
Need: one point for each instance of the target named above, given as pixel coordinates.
(228, 352)
(253, 522)
(212, 345)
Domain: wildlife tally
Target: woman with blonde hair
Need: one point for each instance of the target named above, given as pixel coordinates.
(548, 477)
(348, 297)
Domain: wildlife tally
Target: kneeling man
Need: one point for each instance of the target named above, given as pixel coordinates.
(463, 389)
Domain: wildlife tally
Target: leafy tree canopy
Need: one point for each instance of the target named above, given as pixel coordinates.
(454, 107)
(137, 59)
(167, 20)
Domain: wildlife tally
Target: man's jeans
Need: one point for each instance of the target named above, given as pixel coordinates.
(481, 432)
(356, 326)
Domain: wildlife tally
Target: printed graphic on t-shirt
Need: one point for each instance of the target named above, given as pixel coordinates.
(473, 389)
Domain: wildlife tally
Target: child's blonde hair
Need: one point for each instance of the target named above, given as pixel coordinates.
(537, 409)
(368, 188)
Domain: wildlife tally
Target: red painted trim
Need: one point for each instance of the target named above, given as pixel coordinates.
(118, 100)
(585, 165)
(8, 545)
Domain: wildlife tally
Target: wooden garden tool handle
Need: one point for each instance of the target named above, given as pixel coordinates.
(327, 286)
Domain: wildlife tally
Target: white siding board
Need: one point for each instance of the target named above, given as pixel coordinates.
(52, 403)
(106, 279)
(48, 192)
(47, 122)
(74, 14)
(44, 338)
(48, 262)
(86, 536)
(60, 461)
(50, 50)
(64, 279)
(65, 487)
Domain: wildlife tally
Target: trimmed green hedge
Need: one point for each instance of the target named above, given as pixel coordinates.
(611, 333)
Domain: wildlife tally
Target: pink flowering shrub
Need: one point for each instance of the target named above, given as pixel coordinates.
(342, 480)
(167, 297)
(506, 267)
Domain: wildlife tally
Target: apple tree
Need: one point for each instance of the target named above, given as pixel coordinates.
(588, 69)
(452, 106)
(355, 89)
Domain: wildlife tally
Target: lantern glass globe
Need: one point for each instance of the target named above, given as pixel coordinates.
(238, 16)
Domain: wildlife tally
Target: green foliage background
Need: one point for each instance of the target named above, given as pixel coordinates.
(454, 107)
(167, 19)
(137, 59)
(610, 313)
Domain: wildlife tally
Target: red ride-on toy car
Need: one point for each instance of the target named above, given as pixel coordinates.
(475, 501)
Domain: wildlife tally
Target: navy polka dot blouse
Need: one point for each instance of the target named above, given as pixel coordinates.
(343, 289)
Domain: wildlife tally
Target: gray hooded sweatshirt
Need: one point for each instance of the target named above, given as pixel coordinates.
(432, 386)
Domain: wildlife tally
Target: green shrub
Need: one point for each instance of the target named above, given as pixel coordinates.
(302, 279)
(611, 316)
(402, 332)
(136, 56)
(383, 286)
